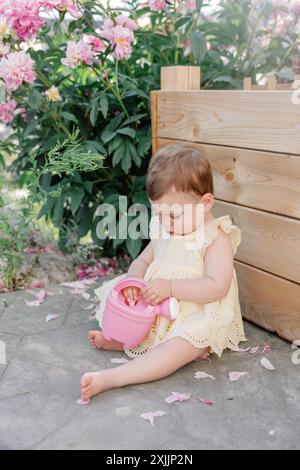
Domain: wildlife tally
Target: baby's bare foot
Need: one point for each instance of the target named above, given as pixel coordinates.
(94, 383)
(98, 341)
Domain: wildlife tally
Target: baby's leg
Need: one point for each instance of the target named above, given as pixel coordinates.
(155, 364)
(98, 341)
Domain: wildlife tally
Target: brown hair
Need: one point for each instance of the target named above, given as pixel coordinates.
(181, 166)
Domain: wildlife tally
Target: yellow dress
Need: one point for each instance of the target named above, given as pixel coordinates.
(217, 324)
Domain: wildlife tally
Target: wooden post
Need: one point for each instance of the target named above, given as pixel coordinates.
(173, 78)
(180, 78)
(247, 83)
(271, 83)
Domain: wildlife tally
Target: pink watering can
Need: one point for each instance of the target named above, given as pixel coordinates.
(131, 324)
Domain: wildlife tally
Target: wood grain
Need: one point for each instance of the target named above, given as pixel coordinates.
(249, 119)
(262, 180)
(269, 242)
(269, 301)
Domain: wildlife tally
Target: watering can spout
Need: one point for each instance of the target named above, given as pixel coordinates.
(169, 308)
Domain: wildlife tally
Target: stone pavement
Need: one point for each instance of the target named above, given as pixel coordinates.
(39, 388)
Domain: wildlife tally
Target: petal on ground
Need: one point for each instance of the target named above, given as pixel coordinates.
(234, 376)
(150, 415)
(51, 316)
(176, 396)
(267, 364)
(203, 375)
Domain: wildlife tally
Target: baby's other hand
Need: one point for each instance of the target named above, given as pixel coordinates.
(156, 291)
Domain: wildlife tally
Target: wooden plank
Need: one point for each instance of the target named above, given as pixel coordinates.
(180, 77)
(248, 119)
(262, 180)
(153, 97)
(269, 301)
(269, 242)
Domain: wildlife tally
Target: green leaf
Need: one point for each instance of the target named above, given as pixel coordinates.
(69, 117)
(94, 112)
(59, 210)
(115, 122)
(46, 207)
(133, 246)
(126, 163)
(34, 100)
(183, 20)
(77, 194)
(117, 156)
(95, 145)
(104, 105)
(198, 46)
(127, 131)
(107, 135)
(2, 92)
(135, 118)
(88, 185)
(199, 4)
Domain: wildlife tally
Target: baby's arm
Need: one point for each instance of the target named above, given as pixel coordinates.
(137, 269)
(218, 272)
(214, 285)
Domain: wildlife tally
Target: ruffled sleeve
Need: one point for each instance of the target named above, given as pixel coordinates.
(225, 223)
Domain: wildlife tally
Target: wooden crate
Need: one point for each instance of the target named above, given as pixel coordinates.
(252, 139)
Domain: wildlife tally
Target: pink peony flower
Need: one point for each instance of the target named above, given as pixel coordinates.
(191, 4)
(158, 5)
(78, 53)
(126, 22)
(4, 49)
(95, 42)
(16, 68)
(4, 27)
(7, 111)
(121, 38)
(295, 8)
(61, 5)
(24, 18)
(22, 112)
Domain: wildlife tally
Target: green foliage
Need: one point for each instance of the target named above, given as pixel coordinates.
(109, 103)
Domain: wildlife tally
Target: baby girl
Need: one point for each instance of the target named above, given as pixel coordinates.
(203, 279)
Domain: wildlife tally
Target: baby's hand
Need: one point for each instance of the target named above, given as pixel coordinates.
(156, 291)
(131, 294)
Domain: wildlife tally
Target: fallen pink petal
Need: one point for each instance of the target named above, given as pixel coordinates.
(33, 303)
(234, 376)
(206, 402)
(86, 295)
(203, 375)
(78, 284)
(89, 307)
(242, 350)
(176, 396)
(267, 348)
(51, 316)
(267, 364)
(150, 415)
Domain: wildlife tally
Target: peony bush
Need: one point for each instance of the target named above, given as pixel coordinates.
(89, 67)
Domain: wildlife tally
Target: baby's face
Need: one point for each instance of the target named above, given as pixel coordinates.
(179, 213)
